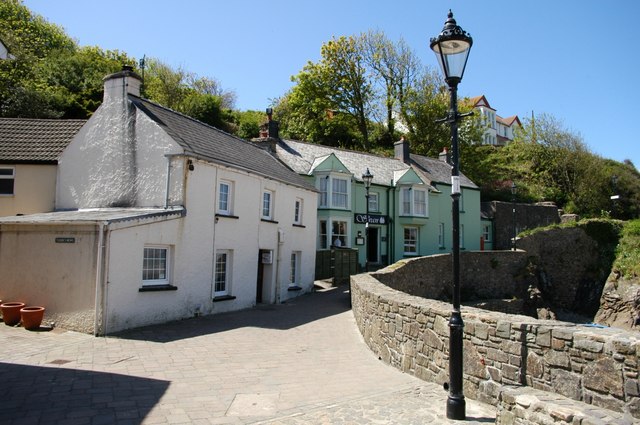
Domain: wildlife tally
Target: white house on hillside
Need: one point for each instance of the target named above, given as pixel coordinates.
(160, 217)
(499, 131)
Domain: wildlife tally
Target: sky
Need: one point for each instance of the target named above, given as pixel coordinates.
(574, 59)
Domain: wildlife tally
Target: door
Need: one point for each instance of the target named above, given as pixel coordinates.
(260, 282)
(372, 246)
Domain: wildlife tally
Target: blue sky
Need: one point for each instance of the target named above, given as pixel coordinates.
(575, 59)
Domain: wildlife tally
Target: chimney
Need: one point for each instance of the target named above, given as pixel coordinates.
(118, 85)
(401, 150)
(269, 136)
(445, 156)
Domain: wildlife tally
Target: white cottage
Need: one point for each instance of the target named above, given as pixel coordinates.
(159, 217)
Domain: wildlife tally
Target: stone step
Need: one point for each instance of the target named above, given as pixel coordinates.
(529, 406)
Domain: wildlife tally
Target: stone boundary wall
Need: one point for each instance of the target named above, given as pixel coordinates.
(598, 366)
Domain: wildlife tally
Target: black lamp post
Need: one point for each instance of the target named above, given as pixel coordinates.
(452, 48)
(367, 177)
(513, 202)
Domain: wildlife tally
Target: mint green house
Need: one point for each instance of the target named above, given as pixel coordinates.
(409, 201)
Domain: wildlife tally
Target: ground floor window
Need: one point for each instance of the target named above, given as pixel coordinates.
(155, 265)
(339, 233)
(410, 240)
(441, 238)
(222, 276)
(294, 274)
(486, 233)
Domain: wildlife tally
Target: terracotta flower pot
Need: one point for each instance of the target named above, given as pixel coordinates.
(32, 317)
(11, 313)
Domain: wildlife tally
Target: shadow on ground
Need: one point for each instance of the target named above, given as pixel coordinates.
(34, 394)
(295, 312)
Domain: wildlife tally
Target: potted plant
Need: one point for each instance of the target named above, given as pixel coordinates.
(11, 312)
(32, 317)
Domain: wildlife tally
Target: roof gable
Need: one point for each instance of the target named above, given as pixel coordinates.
(35, 140)
(408, 176)
(213, 145)
(480, 101)
(329, 163)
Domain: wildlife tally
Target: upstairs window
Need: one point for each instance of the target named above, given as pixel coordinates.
(7, 178)
(334, 192)
(373, 202)
(267, 205)
(225, 198)
(413, 202)
(297, 212)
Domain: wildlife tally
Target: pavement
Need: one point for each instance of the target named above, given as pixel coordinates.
(303, 362)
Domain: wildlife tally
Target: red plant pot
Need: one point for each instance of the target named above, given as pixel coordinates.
(32, 317)
(11, 313)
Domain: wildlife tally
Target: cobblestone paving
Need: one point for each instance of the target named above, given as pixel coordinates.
(303, 362)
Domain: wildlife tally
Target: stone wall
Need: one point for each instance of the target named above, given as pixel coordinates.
(527, 216)
(594, 365)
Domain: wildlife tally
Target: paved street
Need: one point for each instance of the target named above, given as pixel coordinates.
(303, 362)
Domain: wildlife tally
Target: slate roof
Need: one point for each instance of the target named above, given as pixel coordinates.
(30, 140)
(439, 171)
(301, 157)
(211, 144)
(91, 216)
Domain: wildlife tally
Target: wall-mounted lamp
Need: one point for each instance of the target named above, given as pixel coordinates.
(190, 165)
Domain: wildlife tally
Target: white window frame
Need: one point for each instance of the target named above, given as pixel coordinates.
(268, 198)
(409, 202)
(329, 196)
(227, 209)
(486, 232)
(408, 242)
(297, 211)
(373, 202)
(344, 237)
(152, 264)
(323, 237)
(294, 272)
(441, 236)
(8, 173)
(223, 267)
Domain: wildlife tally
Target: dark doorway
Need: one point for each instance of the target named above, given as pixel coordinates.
(372, 245)
(260, 282)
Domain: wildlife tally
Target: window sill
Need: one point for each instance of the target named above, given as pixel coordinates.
(157, 288)
(299, 225)
(294, 288)
(223, 298)
(267, 220)
(227, 216)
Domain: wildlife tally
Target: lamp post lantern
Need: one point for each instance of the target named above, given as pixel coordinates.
(514, 189)
(452, 48)
(367, 177)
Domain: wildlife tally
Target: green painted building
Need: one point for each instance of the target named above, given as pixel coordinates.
(409, 201)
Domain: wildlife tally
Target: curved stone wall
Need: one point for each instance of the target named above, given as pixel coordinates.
(598, 366)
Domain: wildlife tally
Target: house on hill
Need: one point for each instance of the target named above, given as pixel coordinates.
(499, 131)
(159, 217)
(29, 152)
(409, 201)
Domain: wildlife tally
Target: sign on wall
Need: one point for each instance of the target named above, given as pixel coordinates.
(373, 219)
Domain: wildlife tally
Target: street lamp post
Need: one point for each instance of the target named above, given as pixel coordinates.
(452, 48)
(367, 177)
(513, 204)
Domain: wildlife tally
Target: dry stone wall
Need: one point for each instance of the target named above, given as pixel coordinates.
(598, 366)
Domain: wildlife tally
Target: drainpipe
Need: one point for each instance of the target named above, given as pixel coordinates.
(101, 287)
(389, 224)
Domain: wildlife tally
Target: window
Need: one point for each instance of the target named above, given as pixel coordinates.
(294, 275)
(225, 197)
(339, 193)
(155, 265)
(267, 205)
(373, 202)
(410, 240)
(413, 202)
(333, 192)
(297, 212)
(322, 236)
(339, 233)
(222, 275)
(486, 233)
(462, 236)
(441, 238)
(7, 178)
